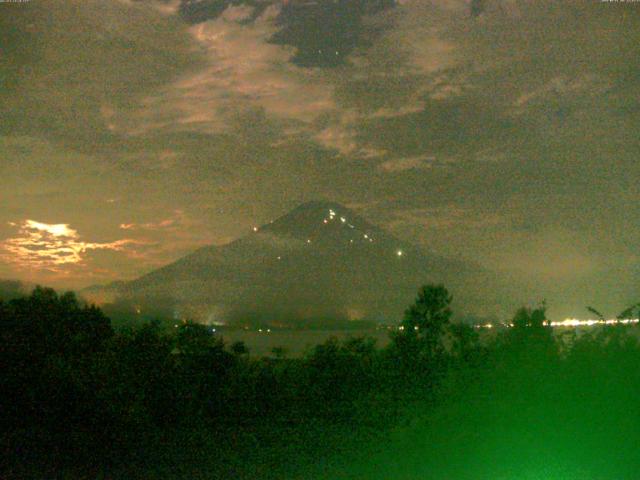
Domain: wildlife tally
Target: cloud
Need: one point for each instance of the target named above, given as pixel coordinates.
(449, 217)
(51, 247)
(122, 107)
(401, 111)
(165, 7)
(78, 65)
(392, 81)
(404, 164)
(147, 226)
(243, 74)
(175, 222)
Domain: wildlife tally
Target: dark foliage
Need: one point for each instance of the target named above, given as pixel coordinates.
(79, 400)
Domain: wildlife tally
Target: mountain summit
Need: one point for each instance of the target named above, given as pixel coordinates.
(319, 262)
(329, 223)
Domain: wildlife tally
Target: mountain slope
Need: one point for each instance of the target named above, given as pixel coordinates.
(319, 261)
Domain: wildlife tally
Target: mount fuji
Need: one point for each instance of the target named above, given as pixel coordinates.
(320, 262)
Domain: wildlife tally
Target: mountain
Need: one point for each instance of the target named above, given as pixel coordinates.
(320, 262)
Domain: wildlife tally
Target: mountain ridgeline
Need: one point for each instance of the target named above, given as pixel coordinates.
(320, 264)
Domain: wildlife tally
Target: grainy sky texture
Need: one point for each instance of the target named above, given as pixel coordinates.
(504, 132)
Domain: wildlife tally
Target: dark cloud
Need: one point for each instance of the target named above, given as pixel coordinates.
(198, 11)
(323, 32)
(326, 32)
(72, 65)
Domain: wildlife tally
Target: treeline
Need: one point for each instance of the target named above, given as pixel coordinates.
(80, 400)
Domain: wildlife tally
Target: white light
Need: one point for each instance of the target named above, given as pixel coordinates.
(574, 322)
(57, 230)
(325, 221)
(343, 220)
(255, 229)
(308, 240)
(279, 257)
(399, 253)
(366, 236)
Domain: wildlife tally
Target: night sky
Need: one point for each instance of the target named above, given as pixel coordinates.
(501, 132)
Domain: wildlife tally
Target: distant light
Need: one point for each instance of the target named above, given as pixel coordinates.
(260, 330)
(325, 221)
(351, 241)
(176, 325)
(343, 220)
(268, 330)
(279, 257)
(255, 229)
(366, 236)
(574, 322)
(308, 240)
(399, 253)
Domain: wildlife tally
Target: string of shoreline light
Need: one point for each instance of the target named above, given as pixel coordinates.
(569, 323)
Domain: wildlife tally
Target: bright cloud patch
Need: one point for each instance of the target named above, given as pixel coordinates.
(58, 230)
(243, 73)
(50, 247)
(404, 164)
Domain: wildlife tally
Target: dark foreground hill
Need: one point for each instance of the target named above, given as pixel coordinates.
(318, 263)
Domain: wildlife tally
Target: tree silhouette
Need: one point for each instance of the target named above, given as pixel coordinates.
(531, 339)
(533, 318)
(596, 313)
(419, 341)
(279, 352)
(239, 348)
(428, 316)
(627, 312)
